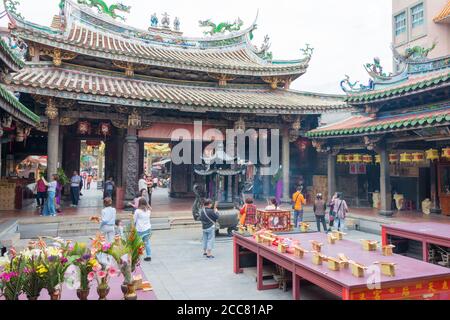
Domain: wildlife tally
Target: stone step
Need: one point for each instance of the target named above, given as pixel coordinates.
(9, 240)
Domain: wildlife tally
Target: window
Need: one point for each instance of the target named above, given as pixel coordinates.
(417, 16)
(400, 23)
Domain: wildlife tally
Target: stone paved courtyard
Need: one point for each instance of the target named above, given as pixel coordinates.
(179, 271)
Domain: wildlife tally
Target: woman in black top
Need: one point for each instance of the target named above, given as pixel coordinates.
(209, 217)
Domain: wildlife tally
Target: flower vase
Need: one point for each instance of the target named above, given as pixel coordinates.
(102, 293)
(55, 295)
(131, 291)
(83, 294)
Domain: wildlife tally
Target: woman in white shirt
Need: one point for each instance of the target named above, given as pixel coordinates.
(143, 225)
(50, 204)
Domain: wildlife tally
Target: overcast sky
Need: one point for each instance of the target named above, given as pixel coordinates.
(345, 33)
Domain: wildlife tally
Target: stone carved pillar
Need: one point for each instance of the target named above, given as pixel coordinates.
(385, 183)
(53, 147)
(286, 165)
(131, 164)
(435, 209)
(331, 174)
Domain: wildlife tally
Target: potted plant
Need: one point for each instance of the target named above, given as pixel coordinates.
(12, 277)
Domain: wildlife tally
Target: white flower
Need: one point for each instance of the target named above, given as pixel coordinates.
(72, 278)
(4, 261)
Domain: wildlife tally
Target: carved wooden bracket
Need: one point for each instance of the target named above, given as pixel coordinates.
(372, 111)
(222, 78)
(51, 111)
(129, 67)
(275, 81)
(321, 146)
(372, 142)
(66, 121)
(58, 55)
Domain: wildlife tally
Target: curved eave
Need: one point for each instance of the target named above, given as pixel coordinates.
(115, 89)
(9, 58)
(400, 91)
(12, 106)
(165, 62)
(420, 121)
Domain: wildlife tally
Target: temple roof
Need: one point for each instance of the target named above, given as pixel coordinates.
(10, 104)
(9, 58)
(417, 73)
(86, 33)
(413, 84)
(362, 125)
(93, 85)
(444, 15)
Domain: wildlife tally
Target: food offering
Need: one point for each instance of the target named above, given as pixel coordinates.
(358, 269)
(369, 245)
(316, 246)
(388, 250)
(300, 252)
(305, 227)
(339, 235)
(387, 268)
(334, 264)
(318, 258)
(332, 238)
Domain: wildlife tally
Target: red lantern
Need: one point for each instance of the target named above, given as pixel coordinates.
(105, 129)
(84, 128)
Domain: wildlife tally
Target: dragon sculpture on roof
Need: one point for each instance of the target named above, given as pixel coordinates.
(102, 7)
(221, 27)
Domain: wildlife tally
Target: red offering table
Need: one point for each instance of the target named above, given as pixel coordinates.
(414, 279)
(426, 233)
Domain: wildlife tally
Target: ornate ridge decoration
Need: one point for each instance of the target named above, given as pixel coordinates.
(58, 55)
(307, 51)
(414, 54)
(129, 67)
(221, 27)
(348, 87)
(275, 81)
(222, 78)
(375, 70)
(103, 8)
(51, 111)
(264, 52)
(11, 7)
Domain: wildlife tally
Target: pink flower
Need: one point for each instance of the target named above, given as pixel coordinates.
(97, 268)
(91, 276)
(106, 247)
(101, 274)
(112, 272)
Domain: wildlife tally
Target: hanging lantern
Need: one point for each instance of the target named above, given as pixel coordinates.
(105, 129)
(446, 153)
(418, 157)
(350, 158)
(432, 154)
(406, 158)
(357, 158)
(341, 158)
(84, 128)
(367, 159)
(378, 159)
(393, 158)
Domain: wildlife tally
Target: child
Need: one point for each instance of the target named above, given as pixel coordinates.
(119, 229)
(108, 220)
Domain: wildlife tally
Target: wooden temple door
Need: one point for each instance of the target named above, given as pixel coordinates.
(71, 155)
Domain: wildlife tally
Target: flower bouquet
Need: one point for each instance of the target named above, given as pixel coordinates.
(34, 282)
(85, 262)
(12, 276)
(102, 276)
(135, 246)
